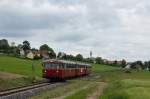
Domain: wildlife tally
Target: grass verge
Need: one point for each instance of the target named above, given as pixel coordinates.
(83, 93)
(63, 90)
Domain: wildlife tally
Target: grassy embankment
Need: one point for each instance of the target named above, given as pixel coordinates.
(18, 66)
(8, 83)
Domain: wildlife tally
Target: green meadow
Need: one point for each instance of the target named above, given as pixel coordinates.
(121, 85)
(20, 66)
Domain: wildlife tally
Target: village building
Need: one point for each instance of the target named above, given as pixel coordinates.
(30, 55)
(33, 54)
(22, 53)
(37, 54)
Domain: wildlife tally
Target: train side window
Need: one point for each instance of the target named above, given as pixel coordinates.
(50, 65)
(59, 65)
(68, 66)
(65, 65)
(53, 66)
(73, 65)
(76, 66)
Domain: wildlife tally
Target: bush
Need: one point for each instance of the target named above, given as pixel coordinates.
(37, 57)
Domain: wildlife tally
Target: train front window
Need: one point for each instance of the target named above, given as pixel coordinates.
(46, 66)
(52, 66)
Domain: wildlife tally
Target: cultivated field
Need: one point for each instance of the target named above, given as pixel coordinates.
(116, 83)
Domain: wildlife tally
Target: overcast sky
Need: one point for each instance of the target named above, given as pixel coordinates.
(113, 29)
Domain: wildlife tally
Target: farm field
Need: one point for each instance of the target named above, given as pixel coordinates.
(134, 85)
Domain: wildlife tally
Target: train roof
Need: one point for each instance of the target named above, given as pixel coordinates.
(65, 61)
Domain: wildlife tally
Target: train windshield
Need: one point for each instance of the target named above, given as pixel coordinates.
(51, 65)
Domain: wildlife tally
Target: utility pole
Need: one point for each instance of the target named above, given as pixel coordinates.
(33, 72)
(91, 54)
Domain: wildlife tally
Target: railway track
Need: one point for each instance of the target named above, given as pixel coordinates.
(15, 90)
(28, 91)
(35, 83)
(31, 90)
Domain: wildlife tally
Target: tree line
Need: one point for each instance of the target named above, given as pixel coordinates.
(15, 50)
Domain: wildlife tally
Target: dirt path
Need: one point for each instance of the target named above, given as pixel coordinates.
(98, 91)
(9, 75)
(72, 92)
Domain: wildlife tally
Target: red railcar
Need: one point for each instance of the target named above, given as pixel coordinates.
(60, 69)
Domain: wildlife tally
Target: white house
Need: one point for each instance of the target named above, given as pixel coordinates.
(30, 55)
(22, 53)
(128, 66)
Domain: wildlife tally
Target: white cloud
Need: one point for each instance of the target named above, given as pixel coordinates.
(112, 29)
